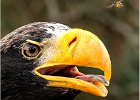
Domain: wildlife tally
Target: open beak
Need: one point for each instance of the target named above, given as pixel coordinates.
(77, 47)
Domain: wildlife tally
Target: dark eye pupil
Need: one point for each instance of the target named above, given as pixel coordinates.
(32, 49)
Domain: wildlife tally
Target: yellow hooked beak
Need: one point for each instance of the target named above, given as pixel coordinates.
(80, 48)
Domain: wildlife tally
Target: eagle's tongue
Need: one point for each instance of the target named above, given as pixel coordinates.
(94, 78)
(89, 78)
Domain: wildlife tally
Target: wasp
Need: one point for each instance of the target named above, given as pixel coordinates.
(117, 4)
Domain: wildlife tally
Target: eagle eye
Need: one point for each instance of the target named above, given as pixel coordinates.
(31, 51)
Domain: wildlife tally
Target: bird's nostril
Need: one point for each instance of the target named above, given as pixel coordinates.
(72, 45)
(73, 41)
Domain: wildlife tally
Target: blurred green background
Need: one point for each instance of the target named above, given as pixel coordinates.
(118, 28)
